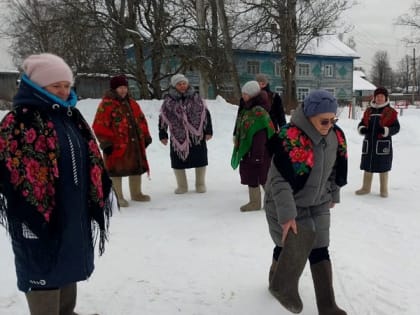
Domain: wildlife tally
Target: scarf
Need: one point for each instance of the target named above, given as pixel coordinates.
(29, 152)
(185, 115)
(388, 116)
(248, 123)
(294, 156)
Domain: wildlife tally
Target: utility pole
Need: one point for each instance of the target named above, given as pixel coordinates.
(414, 77)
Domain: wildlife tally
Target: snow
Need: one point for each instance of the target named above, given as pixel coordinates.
(329, 45)
(198, 254)
(360, 83)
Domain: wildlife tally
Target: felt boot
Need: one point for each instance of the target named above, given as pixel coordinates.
(43, 302)
(324, 292)
(200, 175)
(254, 200)
(284, 285)
(117, 184)
(272, 269)
(367, 184)
(181, 180)
(135, 189)
(383, 184)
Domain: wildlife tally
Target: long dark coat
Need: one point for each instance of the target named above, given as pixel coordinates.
(377, 151)
(253, 167)
(276, 112)
(197, 156)
(60, 252)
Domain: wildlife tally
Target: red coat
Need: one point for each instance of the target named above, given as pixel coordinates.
(123, 134)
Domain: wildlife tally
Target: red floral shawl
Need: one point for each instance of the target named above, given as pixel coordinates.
(29, 151)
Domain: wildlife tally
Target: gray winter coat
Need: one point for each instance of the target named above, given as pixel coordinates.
(310, 205)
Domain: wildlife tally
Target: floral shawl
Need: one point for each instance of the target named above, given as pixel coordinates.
(388, 116)
(248, 123)
(293, 156)
(28, 161)
(185, 115)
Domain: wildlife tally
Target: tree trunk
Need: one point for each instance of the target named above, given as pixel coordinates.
(228, 48)
(288, 44)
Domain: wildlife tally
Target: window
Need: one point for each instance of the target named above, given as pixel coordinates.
(329, 71)
(303, 69)
(277, 69)
(253, 67)
(278, 89)
(302, 93)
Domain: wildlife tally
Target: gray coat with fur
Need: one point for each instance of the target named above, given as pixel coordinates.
(310, 205)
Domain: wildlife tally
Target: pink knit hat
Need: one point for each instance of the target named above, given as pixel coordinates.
(45, 69)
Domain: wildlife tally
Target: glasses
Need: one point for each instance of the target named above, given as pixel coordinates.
(326, 122)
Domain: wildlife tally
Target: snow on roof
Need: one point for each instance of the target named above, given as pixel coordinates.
(360, 83)
(329, 45)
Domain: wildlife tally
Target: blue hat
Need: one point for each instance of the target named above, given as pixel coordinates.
(319, 102)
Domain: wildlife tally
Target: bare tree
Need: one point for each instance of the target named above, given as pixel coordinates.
(381, 72)
(411, 20)
(290, 25)
(37, 26)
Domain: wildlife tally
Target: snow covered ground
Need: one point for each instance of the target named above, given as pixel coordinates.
(198, 254)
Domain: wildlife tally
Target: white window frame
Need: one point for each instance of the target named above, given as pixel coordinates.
(277, 69)
(302, 93)
(253, 67)
(329, 71)
(303, 69)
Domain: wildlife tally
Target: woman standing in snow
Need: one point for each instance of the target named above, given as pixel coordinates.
(183, 111)
(253, 128)
(123, 133)
(378, 125)
(308, 168)
(54, 187)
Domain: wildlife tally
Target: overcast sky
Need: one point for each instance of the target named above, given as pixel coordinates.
(375, 29)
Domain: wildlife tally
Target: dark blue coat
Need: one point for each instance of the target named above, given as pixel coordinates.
(66, 254)
(377, 151)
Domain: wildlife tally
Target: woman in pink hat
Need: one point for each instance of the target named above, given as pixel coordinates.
(48, 157)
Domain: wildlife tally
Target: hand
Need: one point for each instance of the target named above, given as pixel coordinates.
(332, 205)
(291, 224)
(164, 141)
(208, 137)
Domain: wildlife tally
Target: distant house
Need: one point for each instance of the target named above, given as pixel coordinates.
(361, 86)
(326, 63)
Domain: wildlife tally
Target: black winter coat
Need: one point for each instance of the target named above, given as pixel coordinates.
(378, 125)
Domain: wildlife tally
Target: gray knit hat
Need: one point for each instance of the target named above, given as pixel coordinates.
(179, 77)
(319, 102)
(252, 88)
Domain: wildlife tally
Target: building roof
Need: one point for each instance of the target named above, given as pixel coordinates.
(360, 83)
(329, 45)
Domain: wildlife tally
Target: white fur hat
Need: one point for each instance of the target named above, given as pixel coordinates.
(179, 77)
(252, 88)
